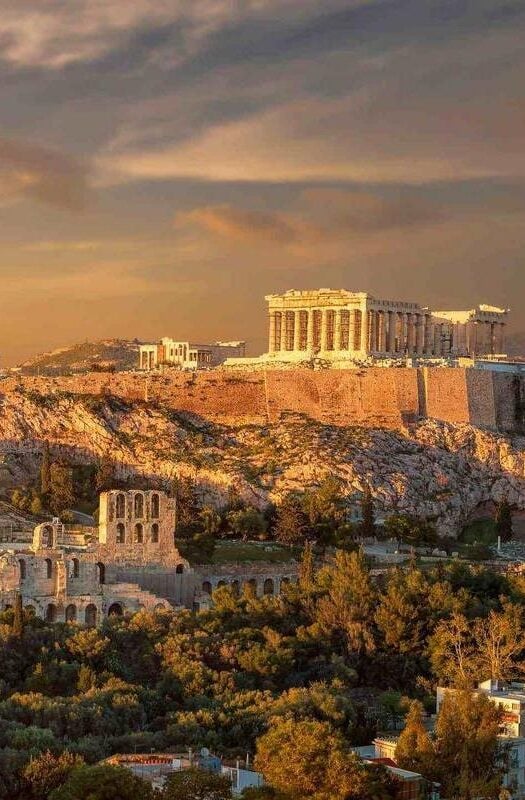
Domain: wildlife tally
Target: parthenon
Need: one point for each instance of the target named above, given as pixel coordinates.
(336, 324)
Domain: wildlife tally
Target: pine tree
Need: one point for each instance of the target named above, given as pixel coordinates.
(45, 471)
(368, 525)
(291, 521)
(18, 619)
(414, 749)
(503, 520)
(62, 491)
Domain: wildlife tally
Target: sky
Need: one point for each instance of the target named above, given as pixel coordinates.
(164, 164)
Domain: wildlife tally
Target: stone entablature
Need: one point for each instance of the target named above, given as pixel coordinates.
(336, 324)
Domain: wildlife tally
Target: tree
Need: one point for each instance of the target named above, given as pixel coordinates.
(196, 784)
(503, 520)
(247, 522)
(291, 521)
(368, 525)
(61, 488)
(410, 530)
(469, 760)
(326, 503)
(45, 471)
(47, 772)
(346, 611)
(308, 759)
(452, 651)
(102, 782)
(415, 749)
(188, 507)
(500, 642)
(18, 618)
(105, 474)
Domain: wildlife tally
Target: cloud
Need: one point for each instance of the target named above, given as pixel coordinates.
(235, 223)
(42, 174)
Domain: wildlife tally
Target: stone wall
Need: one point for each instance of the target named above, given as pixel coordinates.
(374, 396)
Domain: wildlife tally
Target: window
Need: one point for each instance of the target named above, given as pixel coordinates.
(155, 533)
(139, 533)
(101, 572)
(139, 505)
(121, 506)
(22, 564)
(121, 533)
(154, 506)
(75, 568)
(179, 569)
(49, 568)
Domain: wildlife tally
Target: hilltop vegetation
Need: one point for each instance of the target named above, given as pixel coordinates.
(116, 354)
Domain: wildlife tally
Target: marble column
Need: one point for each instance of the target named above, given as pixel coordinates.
(297, 331)
(271, 343)
(420, 333)
(364, 330)
(411, 334)
(428, 335)
(324, 330)
(382, 331)
(352, 329)
(310, 331)
(391, 344)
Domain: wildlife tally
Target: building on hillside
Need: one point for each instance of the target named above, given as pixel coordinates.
(338, 326)
(188, 355)
(412, 785)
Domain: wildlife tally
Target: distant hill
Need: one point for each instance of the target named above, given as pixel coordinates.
(516, 344)
(114, 354)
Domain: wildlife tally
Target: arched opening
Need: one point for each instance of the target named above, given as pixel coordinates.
(179, 569)
(51, 613)
(139, 505)
(155, 533)
(206, 587)
(285, 582)
(221, 583)
(115, 610)
(235, 588)
(101, 572)
(139, 533)
(90, 615)
(250, 588)
(75, 568)
(155, 506)
(121, 533)
(71, 613)
(47, 536)
(49, 568)
(120, 509)
(268, 587)
(23, 572)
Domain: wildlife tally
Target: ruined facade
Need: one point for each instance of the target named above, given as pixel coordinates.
(336, 324)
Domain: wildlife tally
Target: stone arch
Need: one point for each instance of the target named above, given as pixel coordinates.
(155, 506)
(115, 610)
(30, 609)
(179, 569)
(221, 583)
(249, 587)
(138, 505)
(236, 587)
(121, 533)
(51, 613)
(101, 572)
(155, 532)
(71, 613)
(90, 615)
(207, 587)
(139, 533)
(120, 506)
(49, 568)
(23, 568)
(269, 586)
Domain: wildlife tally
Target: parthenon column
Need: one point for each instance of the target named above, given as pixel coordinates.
(297, 331)
(352, 331)
(324, 330)
(391, 346)
(420, 333)
(271, 343)
(428, 346)
(364, 330)
(411, 333)
(310, 331)
(382, 331)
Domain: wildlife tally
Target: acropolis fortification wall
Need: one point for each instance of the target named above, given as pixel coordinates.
(385, 397)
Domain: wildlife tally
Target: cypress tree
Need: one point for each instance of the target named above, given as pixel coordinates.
(18, 619)
(368, 525)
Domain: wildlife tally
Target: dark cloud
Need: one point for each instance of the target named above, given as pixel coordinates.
(45, 175)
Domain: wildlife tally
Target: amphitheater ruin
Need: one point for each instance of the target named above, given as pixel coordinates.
(132, 564)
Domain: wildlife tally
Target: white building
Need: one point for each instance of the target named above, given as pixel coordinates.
(188, 355)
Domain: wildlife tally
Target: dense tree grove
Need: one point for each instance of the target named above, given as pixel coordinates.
(320, 666)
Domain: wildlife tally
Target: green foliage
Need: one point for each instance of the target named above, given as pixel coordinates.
(247, 523)
(61, 492)
(291, 521)
(368, 525)
(411, 530)
(195, 784)
(102, 782)
(47, 772)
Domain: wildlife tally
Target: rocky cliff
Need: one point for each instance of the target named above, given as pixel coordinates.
(437, 469)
